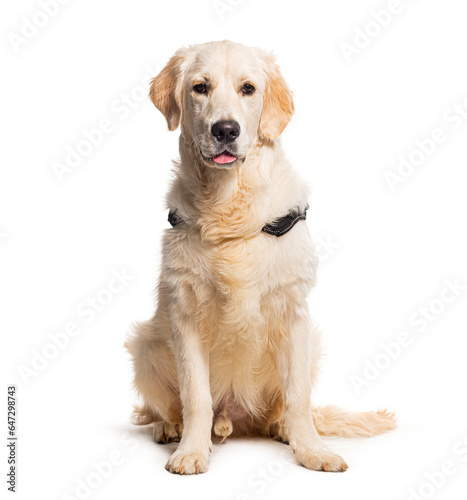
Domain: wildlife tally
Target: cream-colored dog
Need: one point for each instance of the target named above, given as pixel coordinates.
(231, 349)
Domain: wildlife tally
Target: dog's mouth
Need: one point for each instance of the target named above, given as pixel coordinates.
(223, 158)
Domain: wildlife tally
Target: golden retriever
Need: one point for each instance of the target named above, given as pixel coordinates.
(231, 349)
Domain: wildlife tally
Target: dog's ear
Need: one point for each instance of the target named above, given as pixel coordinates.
(165, 91)
(278, 105)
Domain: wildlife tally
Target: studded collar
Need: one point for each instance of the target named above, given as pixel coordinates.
(279, 227)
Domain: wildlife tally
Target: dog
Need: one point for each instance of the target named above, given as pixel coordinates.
(231, 349)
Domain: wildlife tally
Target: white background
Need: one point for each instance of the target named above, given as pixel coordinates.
(385, 253)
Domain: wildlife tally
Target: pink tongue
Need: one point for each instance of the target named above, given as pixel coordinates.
(224, 158)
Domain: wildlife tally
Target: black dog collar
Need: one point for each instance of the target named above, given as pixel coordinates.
(277, 228)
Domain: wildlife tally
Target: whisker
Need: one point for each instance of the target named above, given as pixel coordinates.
(195, 139)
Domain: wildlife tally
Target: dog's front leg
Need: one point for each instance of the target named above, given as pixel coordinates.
(192, 357)
(293, 363)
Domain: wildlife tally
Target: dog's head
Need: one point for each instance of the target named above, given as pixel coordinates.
(228, 98)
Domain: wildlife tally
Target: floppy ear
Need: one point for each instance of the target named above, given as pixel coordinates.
(165, 91)
(278, 106)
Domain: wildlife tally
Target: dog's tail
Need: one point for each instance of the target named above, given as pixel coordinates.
(333, 421)
(329, 421)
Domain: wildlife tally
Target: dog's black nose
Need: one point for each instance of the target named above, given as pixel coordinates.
(226, 130)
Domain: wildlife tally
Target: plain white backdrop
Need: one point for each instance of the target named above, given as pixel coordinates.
(379, 133)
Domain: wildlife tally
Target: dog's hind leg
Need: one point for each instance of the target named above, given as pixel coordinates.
(166, 433)
(155, 379)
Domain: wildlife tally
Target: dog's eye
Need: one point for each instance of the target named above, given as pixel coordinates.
(200, 88)
(248, 88)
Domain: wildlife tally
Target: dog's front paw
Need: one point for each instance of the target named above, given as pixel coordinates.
(320, 459)
(187, 463)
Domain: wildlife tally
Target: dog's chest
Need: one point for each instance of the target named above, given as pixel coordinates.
(239, 279)
(239, 287)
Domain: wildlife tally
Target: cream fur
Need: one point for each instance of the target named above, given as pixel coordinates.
(231, 349)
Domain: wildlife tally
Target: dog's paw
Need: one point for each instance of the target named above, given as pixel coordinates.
(187, 463)
(281, 432)
(164, 432)
(321, 459)
(223, 426)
